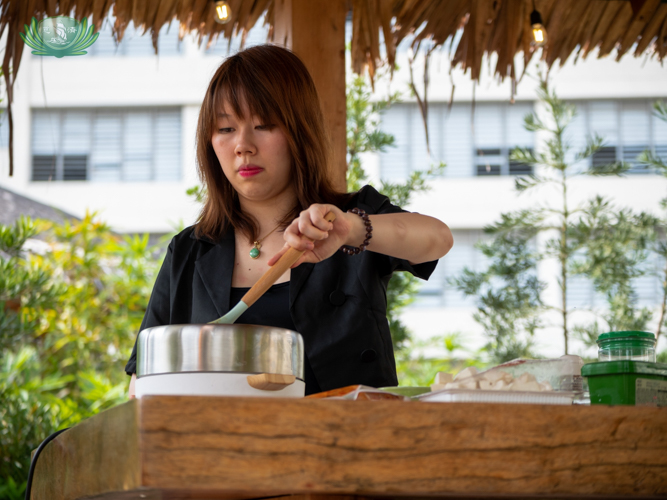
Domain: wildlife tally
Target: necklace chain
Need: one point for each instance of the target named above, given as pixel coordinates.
(257, 245)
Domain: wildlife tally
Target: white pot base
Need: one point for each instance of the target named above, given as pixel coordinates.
(209, 384)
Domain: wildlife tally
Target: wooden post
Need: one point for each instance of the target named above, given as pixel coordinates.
(315, 31)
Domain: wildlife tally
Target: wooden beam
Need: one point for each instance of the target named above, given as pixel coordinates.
(315, 31)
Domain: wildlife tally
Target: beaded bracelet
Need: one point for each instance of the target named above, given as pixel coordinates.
(350, 250)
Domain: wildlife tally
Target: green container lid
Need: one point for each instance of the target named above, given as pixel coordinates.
(624, 366)
(640, 338)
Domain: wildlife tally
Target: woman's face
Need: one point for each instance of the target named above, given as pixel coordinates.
(254, 156)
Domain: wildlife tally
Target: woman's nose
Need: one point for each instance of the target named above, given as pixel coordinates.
(245, 143)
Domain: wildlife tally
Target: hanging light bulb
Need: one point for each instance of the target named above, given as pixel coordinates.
(539, 31)
(223, 14)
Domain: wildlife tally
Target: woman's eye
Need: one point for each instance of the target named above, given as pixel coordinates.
(265, 127)
(225, 130)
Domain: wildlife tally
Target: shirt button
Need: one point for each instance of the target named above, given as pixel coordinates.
(368, 356)
(337, 297)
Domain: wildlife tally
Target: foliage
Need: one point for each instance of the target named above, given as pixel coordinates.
(363, 133)
(615, 245)
(365, 136)
(509, 313)
(593, 239)
(653, 161)
(24, 288)
(417, 363)
(661, 357)
(75, 308)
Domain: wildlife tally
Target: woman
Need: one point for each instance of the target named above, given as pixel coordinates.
(263, 156)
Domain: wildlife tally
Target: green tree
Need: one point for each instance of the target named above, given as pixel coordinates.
(419, 360)
(23, 288)
(652, 160)
(364, 136)
(508, 291)
(614, 246)
(582, 239)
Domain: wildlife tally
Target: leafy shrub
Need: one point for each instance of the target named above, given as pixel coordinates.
(68, 318)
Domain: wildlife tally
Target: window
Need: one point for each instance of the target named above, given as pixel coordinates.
(221, 46)
(627, 128)
(106, 145)
(581, 294)
(136, 44)
(468, 148)
(4, 129)
(437, 291)
(648, 288)
(604, 156)
(498, 128)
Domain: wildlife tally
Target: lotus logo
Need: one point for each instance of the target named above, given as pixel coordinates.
(59, 36)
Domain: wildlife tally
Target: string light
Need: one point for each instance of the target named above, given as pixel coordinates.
(539, 31)
(223, 14)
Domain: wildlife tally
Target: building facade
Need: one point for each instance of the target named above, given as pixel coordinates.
(114, 132)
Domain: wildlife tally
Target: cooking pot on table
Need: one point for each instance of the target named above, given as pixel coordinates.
(220, 360)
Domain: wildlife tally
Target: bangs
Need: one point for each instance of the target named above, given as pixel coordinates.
(240, 89)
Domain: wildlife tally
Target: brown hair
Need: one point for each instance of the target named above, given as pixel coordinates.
(276, 87)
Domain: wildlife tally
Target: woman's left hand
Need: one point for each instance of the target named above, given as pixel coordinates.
(313, 233)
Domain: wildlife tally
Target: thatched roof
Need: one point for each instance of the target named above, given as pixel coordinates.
(488, 26)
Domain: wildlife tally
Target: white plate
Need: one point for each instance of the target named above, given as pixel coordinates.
(481, 396)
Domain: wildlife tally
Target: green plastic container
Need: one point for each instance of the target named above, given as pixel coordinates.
(630, 345)
(637, 383)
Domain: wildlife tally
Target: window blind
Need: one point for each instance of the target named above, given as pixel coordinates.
(167, 145)
(437, 291)
(395, 160)
(258, 35)
(107, 154)
(4, 129)
(635, 133)
(137, 147)
(457, 141)
(483, 149)
(135, 43)
(107, 145)
(659, 128)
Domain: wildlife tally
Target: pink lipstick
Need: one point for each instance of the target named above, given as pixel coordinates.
(249, 170)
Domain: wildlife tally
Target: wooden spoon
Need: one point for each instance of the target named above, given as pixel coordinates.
(265, 282)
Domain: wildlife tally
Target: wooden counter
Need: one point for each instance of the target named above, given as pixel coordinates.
(165, 447)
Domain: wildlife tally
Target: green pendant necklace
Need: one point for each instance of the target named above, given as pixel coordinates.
(254, 251)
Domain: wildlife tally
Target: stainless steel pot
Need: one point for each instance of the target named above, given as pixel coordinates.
(229, 360)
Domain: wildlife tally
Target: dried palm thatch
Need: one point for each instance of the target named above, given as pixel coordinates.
(484, 26)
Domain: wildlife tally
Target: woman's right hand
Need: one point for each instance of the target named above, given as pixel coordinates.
(130, 391)
(315, 235)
